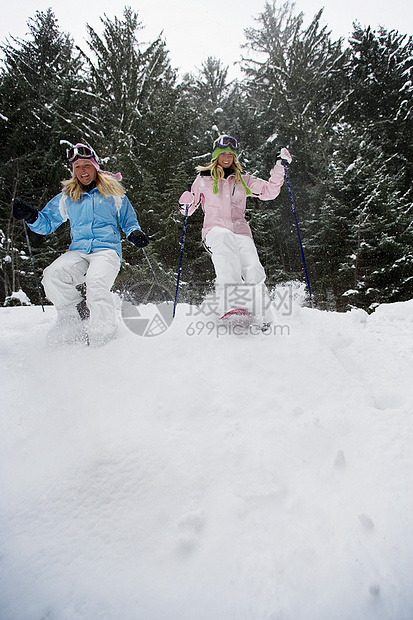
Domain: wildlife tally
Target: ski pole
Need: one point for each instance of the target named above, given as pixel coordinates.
(297, 228)
(33, 265)
(185, 196)
(154, 274)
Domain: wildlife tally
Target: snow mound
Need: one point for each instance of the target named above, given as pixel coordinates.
(198, 475)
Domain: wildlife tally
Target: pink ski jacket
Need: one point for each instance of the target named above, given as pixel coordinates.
(227, 208)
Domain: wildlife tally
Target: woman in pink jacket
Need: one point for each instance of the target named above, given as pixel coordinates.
(222, 191)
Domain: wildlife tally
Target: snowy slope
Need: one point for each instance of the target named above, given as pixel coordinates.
(196, 477)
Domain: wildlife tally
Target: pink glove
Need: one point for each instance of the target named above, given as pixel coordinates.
(185, 201)
(283, 156)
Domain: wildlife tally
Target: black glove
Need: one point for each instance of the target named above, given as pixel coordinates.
(138, 238)
(23, 211)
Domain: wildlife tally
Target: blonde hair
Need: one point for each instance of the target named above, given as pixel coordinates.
(217, 171)
(106, 184)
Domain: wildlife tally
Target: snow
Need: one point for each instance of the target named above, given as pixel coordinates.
(209, 477)
(350, 167)
(20, 296)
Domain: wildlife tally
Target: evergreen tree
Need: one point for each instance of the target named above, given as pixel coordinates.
(364, 238)
(141, 123)
(346, 116)
(294, 88)
(38, 78)
(380, 71)
(209, 94)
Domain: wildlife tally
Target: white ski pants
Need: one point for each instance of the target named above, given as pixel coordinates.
(240, 276)
(98, 270)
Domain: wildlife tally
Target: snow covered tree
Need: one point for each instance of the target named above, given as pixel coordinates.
(38, 80)
(117, 74)
(210, 95)
(294, 88)
(362, 239)
(361, 244)
(345, 114)
(380, 73)
(141, 123)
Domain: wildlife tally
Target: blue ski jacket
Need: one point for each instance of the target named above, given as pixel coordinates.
(94, 220)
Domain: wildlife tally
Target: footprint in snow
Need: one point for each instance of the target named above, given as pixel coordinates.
(340, 460)
(366, 521)
(189, 529)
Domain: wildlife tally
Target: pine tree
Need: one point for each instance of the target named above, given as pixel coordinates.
(370, 176)
(38, 78)
(141, 124)
(294, 88)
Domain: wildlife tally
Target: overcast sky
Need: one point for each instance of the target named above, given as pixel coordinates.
(195, 30)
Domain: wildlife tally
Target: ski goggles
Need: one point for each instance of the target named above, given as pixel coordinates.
(226, 141)
(79, 152)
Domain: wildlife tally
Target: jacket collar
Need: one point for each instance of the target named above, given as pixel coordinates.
(227, 173)
(88, 188)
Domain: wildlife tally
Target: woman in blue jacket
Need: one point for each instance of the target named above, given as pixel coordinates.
(95, 203)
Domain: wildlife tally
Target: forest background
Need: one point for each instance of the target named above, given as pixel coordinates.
(343, 108)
